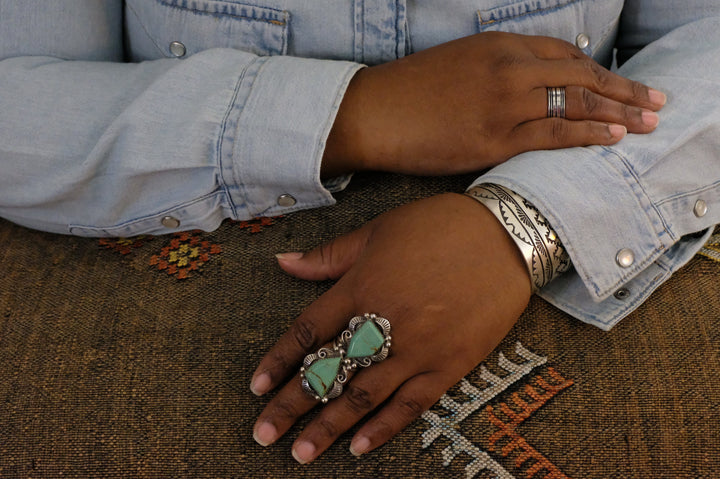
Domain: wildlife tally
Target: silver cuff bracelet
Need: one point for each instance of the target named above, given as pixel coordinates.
(544, 254)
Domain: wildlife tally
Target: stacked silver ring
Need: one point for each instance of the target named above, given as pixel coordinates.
(556, 102)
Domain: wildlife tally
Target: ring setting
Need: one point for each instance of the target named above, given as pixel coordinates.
(366, 341)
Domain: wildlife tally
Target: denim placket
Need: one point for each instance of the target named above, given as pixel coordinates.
(380, 30)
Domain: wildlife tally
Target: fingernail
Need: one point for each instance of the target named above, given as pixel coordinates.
(304, 452)
(289, 256)
(650, 118)
(260, 384)
(617, 131)
(657, 97)
(265, 434)
(359, 446)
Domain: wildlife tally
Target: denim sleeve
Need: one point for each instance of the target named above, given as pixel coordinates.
(632, 214)
(96, 147)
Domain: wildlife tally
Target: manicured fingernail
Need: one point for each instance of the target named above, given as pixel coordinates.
(359, 446)
(289, 256)
(260, 384)
(617, 131)
(657, 97)
(650, 118)
(304, 452)
(265, 434)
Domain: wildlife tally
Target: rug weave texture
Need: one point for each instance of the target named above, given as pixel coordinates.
(132, 358)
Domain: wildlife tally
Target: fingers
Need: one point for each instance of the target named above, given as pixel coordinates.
(362, 394)
(554, 133)
(283, 411)
(317, 325)
(583, 104)
(367, 390)
(365, 393)
(587, 73)
(328, 261)
(414, 398)
(568, 65)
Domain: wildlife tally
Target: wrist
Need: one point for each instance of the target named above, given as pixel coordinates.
(344, 146)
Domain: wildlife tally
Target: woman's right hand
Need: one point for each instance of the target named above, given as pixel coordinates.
(473, 103)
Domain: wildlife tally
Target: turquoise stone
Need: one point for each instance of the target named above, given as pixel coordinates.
(366, 341)
(321, 374)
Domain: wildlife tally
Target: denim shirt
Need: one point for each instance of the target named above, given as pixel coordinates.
(150, 116)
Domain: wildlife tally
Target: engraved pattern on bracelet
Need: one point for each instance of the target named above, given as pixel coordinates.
(544, 254)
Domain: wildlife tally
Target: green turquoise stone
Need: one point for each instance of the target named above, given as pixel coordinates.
(366, 341)
(321, 374)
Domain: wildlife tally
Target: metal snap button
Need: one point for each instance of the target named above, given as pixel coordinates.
(622, 294)
(625, 258)
(582, 41)
(177, 49)
(170, 222)
(286, 200)
(700, 209)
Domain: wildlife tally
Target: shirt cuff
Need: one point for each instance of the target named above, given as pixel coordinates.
(604, 218)
(276, 132)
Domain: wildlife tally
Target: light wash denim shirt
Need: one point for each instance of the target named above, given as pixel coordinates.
(149, 116)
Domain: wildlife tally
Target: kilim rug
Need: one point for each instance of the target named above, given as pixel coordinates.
(131, 358)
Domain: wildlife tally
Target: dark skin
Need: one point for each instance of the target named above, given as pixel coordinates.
(443, 270)
(458, 313)
(473, 103)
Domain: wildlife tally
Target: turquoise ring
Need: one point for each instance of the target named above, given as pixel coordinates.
(366, 341)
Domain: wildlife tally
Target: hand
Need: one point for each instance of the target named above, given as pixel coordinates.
(452, 283)
(472, 103)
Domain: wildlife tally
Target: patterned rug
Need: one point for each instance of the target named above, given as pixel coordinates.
(712, 248)
(132, 358)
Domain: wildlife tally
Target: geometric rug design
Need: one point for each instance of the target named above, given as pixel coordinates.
(185, 252)
(447, 420)
(712, 248)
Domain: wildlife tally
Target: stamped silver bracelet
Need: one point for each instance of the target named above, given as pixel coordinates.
(544, 254)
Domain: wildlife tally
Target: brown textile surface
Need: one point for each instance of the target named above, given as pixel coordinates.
(133, 358)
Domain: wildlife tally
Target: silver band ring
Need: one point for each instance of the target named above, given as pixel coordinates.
(556, 102)
(366, 341)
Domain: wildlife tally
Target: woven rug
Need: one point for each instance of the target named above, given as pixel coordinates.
(132, 359)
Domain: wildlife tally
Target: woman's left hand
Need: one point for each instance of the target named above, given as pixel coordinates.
(451, 282)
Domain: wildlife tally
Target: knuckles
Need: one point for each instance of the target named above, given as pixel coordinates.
(638, 91)
(558, 131)
(327, 427)
(590, 101)
(304, 335)
(358, 400)
(599, 76)
(410, 407)
(286, 410)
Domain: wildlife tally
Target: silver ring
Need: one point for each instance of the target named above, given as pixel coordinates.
(556, 102)
(366, 341)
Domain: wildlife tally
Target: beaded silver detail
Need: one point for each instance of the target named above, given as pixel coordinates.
(544, 254)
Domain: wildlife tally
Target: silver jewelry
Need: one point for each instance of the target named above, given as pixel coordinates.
(544, 254)
(556, 102)
(366, 341)
(323, 374)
